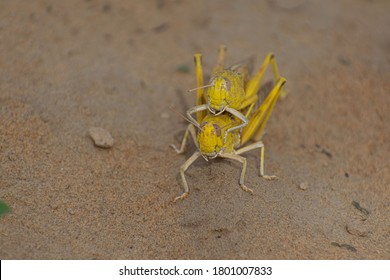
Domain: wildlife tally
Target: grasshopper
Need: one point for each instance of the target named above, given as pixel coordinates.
(228, 89)
(211, 143)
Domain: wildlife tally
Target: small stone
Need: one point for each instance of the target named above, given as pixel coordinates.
(70, 211)
(54, 205)
(356, 229)
(12, 156)
(101, 137)
(303, 186)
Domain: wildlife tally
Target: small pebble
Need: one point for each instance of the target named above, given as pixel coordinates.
(54, 205)
(101, 137)
(70, 211)
(303, 186)
(356, 230)
(11, 156)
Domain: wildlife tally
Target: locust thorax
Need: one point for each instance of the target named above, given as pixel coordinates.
(210, 139)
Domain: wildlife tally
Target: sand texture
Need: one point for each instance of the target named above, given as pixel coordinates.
(69, 66)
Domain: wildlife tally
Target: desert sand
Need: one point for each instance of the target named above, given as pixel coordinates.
(67, 66)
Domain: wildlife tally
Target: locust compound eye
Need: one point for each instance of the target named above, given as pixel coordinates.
(217, 129)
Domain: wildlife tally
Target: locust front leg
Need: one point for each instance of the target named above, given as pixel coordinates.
(183, 169)
(243, 160)
(237, 114)
(232, 111)
(257, 145)
(243, 171)
(196, 109)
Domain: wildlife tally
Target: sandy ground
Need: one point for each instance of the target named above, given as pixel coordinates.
(66, 66)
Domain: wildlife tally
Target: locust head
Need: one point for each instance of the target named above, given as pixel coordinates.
(210, 140)
(218, 94)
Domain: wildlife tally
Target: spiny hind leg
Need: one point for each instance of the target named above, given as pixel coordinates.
(253, 84)
(183, 169)
(257, 145)
(189, 131)
(243, 171)
(200, 97)
(221, 60)
(260, 116)
(275, 93)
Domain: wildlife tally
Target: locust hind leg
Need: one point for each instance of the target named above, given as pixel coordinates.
(243, 171)
(277, 91)
(221, 60)
(189, 131)
(183, 169)
(200, 97)
(257, 145)
(260, 117)
(253, 84)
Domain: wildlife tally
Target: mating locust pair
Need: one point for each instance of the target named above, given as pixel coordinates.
(226, 114)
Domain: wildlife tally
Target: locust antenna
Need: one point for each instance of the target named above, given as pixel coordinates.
(173, 109)
(206, 86)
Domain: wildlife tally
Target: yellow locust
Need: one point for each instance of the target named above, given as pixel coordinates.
(229, 89)
(219, 135)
